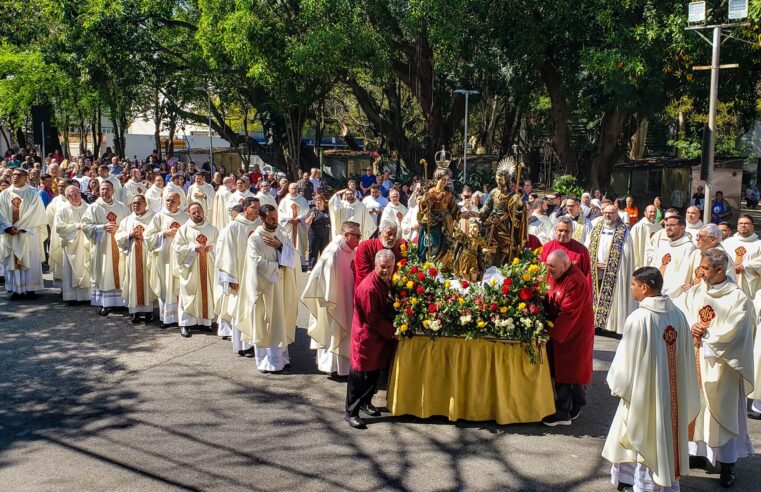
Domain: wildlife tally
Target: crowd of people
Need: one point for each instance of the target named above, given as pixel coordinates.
(238, 252)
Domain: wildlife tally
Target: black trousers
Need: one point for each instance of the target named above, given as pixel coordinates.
(318, 240)
(360, 389)
(569, 396)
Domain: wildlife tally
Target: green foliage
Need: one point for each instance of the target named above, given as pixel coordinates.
(567, 185)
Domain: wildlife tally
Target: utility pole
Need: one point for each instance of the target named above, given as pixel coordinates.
(467, 94)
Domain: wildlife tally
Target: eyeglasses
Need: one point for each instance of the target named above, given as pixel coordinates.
(466, 196)
(358, 236)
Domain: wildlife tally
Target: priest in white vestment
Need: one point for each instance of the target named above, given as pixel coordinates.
(75, 283)
(266, 315)
(136, 283)
(231, 258)
(654, 375)
(155, 195)
(722, 323)
(692, 215)
(394, 212)
(24, 228)
(163, 263)
(610, 253)
(133, 187)
(236, 197)
(220, 215)
(375, 203)
(674, 258)
(55, 253)
(744, 247)
(292, 212)
(265, 194)
(344, 206)
(202, 192)
(659, 238)
(410, 225)
(104, 174)
(755, 397)
(539, 224)
(582, 226)
(105, 263)
(641, 232)
(709, 237)
(193, 249)
(175, 186)
(329, 297)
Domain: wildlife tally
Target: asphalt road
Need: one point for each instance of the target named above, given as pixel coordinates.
(88, 403)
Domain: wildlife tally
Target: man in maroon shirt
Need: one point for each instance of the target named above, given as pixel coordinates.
(364, 259)
(577, 252)
(372, 332)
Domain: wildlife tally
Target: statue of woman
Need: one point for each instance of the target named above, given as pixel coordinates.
(505, 218)
(437, 213)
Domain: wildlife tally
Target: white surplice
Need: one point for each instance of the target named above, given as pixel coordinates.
(21, 254)
(136, 284)
(173, 188)
(55, 253)
(296, 236)
(131, 189)
(341, 211)
(205, 196)
(196, 273)
(163, 263)
(154, 198)
(674, 260)
(75, 284)
(220, 215)
(541, 227)
(105, 263)
(394, 213)
(692, 231)
(641, 233)
(748, 250)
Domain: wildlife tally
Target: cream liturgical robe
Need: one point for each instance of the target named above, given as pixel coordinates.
(656, 241)
(163, 263)
(21, 254)
(196, 273)
(206, 198)
(725, 369)
(105, 262)
(296, 234)
(674, 260)
(136, 284)
(746, 251)
(266, 314)
(329, 296)
(154, 199)
(117, 186)
(75, 285)
(231, 257)
(392, 213)
(220, 214)
(340, 211)
(697, 257)
(266, 199)
(173, 188)
(654, 375)
(131, 189)
(641, 232)
(692, 231)
(235, 198)
(756, 395)
(55, 254)
(541, 227)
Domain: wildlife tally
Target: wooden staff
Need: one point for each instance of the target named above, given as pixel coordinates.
(295, 210)
(428, 211)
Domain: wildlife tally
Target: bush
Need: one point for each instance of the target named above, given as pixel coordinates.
(567, 185)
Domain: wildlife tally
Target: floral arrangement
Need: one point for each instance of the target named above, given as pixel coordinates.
(508, 306)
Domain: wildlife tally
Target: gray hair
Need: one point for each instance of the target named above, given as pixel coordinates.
(717, 256)
(387, 225)
(713, 231)
(385, 254)
(565, 220)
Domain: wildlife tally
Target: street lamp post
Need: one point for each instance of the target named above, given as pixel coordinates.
(211, 154)
(467, 93)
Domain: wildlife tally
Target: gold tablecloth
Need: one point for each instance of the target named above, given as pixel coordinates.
(469, 379)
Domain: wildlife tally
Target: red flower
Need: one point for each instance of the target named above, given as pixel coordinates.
(403, 293)
(525, 294)
(493, 307)
(420, 276)
(432, 308)
(410, 312)
(432, 272)
(533, 309)
(403, 261)
(420, 289)
(413, 269)
(465, 284)
(505, 289)
(507, 282)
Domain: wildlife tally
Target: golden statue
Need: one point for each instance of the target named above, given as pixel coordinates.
(437, 213)
(469, 252)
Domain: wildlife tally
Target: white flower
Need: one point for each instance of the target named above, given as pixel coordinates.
(539, 325)
(434, 324)
(465, 319)
(527, 322)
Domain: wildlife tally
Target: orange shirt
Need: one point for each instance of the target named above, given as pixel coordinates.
(633, 214)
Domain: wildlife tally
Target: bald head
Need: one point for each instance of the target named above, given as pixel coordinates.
(558, 263)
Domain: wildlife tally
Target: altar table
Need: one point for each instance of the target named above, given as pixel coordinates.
(475, 380)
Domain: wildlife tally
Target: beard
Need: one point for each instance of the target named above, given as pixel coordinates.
(197, 220)
(387, 244)
(609, 222)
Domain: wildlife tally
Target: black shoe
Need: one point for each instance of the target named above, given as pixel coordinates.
(754, 415)
(72, 303)
(148, 317)
(14, 297)
(370, 410)
(698, 462)
(31, 295)
(355, 422)
(164, 326)
(249, 352)
(135, 318)
(554, 420)
(624, 486)
(575, 412)
(104, 311)
(727, 478)
(226, 338)
(334, 376)
(287, 366)
(185, 332)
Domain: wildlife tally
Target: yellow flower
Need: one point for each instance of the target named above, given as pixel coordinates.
(404, 279)
(481, 324)
(399, 264)
(461, 300)
(522, 305)
(427, 265)
(413, 301)
(403, 328)
(503, 310)
(516, 261)
(493, 282)
(447, 284)
(404, 254)
(425, 323)
(410, 284)
(403, 247)
(550, 324)
(526, 277)
(395, 279)
(532, 269)
(397, 305)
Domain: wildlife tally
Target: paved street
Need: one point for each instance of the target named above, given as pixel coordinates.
(88, 403)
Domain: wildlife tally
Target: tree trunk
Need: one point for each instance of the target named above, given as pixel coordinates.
(603, 160)
(21, 140)
(82, 134)
(638, 139)
(157, 117)
(682, 131)
(97, 132)
(67, 145)
(5, 137)
(560, 114)
(172, 133)
(294, 125)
